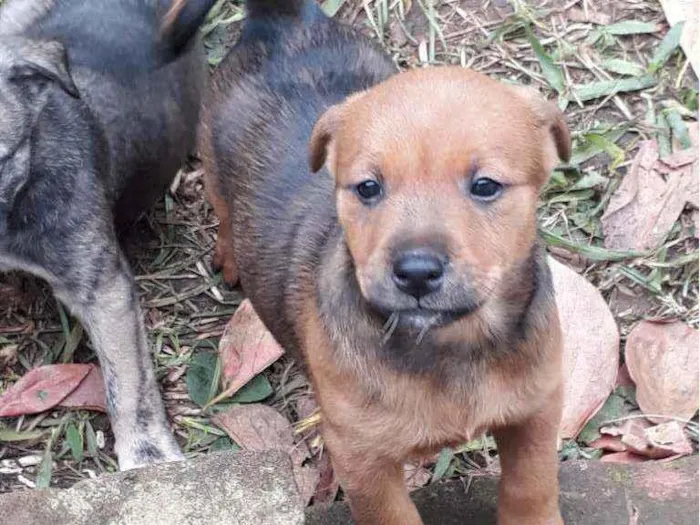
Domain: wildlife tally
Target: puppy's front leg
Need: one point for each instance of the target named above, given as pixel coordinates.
(109, 309)
(529, 489)
(374, 486)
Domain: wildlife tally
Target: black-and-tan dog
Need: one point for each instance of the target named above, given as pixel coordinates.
(99, 102)
(407, 273)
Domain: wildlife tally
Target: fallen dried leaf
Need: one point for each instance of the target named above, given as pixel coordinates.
(609, 443)
(650, 198)
(90, 393)
(415, 476)
(622, 457)
(591, 347)
(670, 438)
(662, 359)
(638, 436)
(328, 485)
(687, 11)
(260, 427)
(41, 389)
(246, 349)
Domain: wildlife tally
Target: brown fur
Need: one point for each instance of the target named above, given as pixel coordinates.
(314, 265)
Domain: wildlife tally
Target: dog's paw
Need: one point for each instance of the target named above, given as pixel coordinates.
(144, 453)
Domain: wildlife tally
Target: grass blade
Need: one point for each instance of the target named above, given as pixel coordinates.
(666, 48)
(679, 129)
(443, 463)
(623, 67)
(331, 7)
(551, 72)
(593, 253)
(631, 27)
(606, 88)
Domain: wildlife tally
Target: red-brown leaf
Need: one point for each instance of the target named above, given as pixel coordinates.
(622, 457)
(591, 347)
(42, 389)
(260, 427)
(650, 198)
(90, 394)
(662, 359)
(246, 348)
(640, 437)
(609, 443)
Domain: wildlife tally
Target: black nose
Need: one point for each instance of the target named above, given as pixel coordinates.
(419, 272)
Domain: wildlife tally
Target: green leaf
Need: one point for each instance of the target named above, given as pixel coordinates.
(613, 408)
(623, 67)
(91, 439)
(679, 129)
(256, 390)
(589, 145)
(569, 451)
(10, 436)
(594, 253)
(43, 477)
(331, 7)
(72, 342)
(666, 48)
(631, 27)
(663, 135)
(224, 443)
(606, 88)
(550, 70)
(590, 180)
(572, 196)
(74, 438)
(203, 377)
(443, 463)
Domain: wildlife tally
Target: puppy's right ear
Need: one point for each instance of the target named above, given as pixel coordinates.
(322, 135)
(38, 61)
(321, 141)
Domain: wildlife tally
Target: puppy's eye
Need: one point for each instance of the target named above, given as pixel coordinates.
(485, 189)
(368, 190)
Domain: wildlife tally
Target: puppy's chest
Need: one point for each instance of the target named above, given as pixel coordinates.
(414, 417)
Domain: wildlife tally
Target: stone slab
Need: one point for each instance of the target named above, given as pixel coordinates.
(245, 488)
(592, 493)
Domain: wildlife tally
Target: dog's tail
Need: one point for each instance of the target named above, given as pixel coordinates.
(180, 24)
(264, 16)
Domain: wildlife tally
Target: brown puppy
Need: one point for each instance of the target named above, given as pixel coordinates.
(408, 273)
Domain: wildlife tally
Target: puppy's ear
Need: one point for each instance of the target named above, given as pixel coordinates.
(552, 118)
(42, 61)
(322, 134)
(320, 143)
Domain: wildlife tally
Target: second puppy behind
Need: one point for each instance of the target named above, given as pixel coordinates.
(407, 273)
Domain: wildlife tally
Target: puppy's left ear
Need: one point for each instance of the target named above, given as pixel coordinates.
(321, 145)
(550, 117)
(322, 135)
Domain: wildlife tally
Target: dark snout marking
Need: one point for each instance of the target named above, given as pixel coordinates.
(419, 272)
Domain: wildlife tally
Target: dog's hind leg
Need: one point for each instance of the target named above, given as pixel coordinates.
(92, 277)
(112, 317)
(110, 312)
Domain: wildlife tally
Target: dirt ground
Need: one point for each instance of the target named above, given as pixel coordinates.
(186, 306)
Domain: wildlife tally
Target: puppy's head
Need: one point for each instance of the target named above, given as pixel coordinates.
(28, 69)
(437, 177)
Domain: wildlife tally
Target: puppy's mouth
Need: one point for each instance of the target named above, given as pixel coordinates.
(422, 319)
